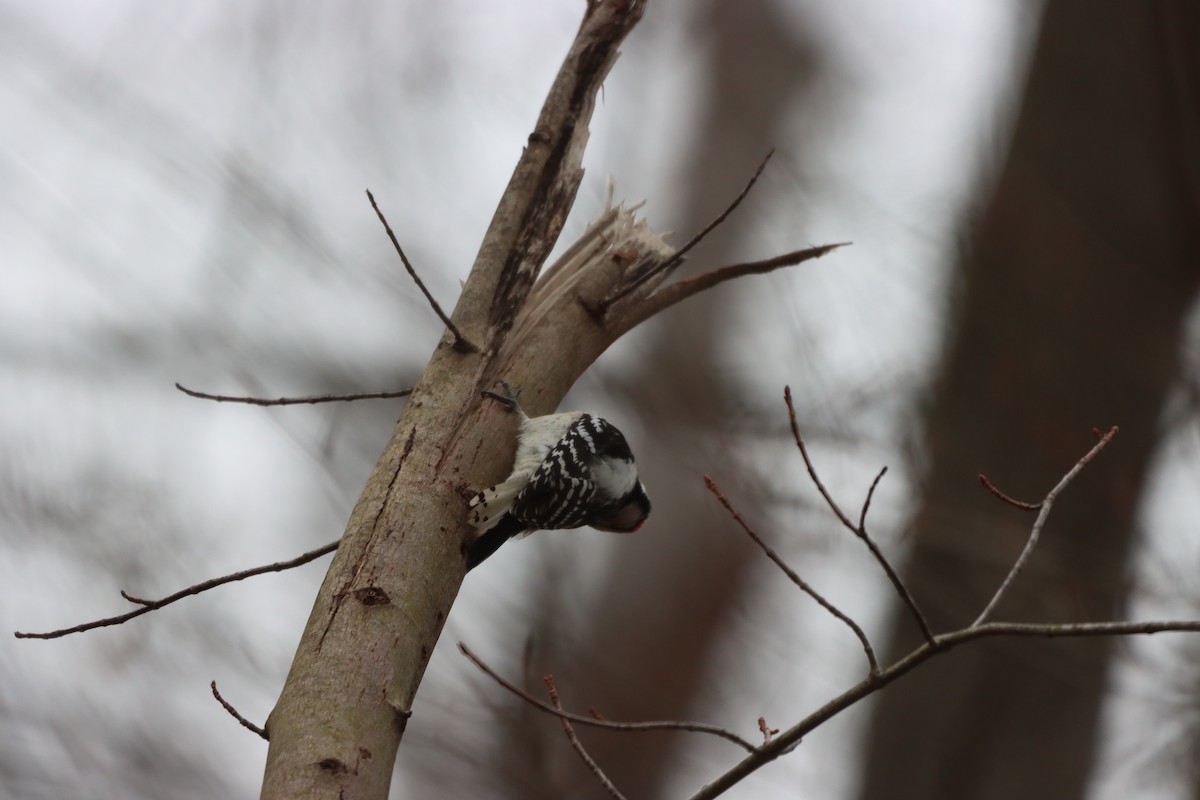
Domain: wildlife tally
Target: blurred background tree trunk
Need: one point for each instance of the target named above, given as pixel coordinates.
(1073, 287)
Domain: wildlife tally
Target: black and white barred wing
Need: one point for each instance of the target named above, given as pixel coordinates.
(572, 486)
(540, 506)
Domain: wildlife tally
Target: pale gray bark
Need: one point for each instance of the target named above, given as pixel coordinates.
(345, 705)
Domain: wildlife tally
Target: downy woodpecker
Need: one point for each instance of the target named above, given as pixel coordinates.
(570, 470)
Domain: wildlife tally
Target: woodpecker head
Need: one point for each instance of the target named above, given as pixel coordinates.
(629, 517)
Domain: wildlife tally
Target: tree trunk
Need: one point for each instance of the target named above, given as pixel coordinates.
(347, 699)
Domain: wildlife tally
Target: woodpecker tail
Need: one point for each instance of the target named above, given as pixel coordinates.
(490, 541)
(490, 505)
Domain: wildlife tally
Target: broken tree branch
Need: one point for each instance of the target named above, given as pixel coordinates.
(664, 268)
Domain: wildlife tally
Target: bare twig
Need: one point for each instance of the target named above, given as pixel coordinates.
(294, 401)
(1034, 533)
(858, 530)
(767, 731)
(796, 579)
(461, 342)
(247, 724)
(676, 259)
(668, 296)
(597, 722)
(146, 606)
(1012, 501)
(862, 517)
(786, 741)
(578, 745)
(136, 600)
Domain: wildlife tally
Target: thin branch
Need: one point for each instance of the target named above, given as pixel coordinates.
(858, 530)
(146, 606)
(1012, 501)
(596, 722)
(796, 579)
(139, 601)
(812, 470)
(294, 401)
(681, 290)
(461, 343)
(787, 741)
(862, 517)
(247, 724)
(1045, 506)
(677, 258)
(578, 745)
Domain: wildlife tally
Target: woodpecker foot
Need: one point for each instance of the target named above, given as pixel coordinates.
(508, 399)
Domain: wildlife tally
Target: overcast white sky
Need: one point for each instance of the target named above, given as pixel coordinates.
(163, 165)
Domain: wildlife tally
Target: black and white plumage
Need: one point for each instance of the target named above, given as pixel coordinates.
(570, 470)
